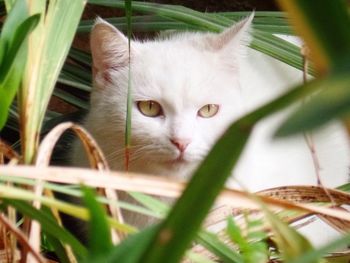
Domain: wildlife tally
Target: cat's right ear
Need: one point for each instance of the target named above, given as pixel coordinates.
(109, 48)
(233, 41)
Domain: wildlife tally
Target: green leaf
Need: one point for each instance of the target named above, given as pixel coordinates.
(49, 225)
(220, 249)
(329, 39)
(291, 243)
(131, 249)
(8, 4)
(234, 232)
(55, 243)
(58, 248)
(16, 16)
(17, 41)
(333, 101)
(151, 203)
(48, 47)
(253, 245)
(313, 256)
(13, 54)
(128, 9)
(100, 241)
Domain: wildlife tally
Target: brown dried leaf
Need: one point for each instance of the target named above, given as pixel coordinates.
(307, 194)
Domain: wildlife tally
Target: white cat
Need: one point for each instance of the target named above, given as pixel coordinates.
(187, 89)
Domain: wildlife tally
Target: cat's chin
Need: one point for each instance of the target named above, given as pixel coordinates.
(180, 168)
(178, 162)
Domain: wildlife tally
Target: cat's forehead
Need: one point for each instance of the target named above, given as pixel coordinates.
(175, 53)
(179, 64)
(178, 68)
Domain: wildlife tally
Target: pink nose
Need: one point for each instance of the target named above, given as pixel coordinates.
(181, 144)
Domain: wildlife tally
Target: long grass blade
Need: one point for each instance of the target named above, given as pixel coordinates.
(128, 9)
(48, 46)
(100, 240)
(49, 225)
(328, 39)
(13, 50)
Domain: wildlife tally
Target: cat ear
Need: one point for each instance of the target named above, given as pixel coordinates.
(109, 48)
(235, 38)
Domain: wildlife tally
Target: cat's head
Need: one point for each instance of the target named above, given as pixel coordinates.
(185, 91)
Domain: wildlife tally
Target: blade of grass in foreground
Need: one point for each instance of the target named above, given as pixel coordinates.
(49, 225)
(329, 39)
(13, 50)
(48, 46)
(100, 241)
(332, 102)
(128, 9)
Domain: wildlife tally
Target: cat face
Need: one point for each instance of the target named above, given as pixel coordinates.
(185, 92)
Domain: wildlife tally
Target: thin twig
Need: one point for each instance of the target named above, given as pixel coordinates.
(308, 135)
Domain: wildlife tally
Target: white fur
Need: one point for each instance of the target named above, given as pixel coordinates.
(183, 73)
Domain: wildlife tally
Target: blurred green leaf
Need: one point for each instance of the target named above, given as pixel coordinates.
(332, 102)
(252, 245)
(48, 46)
(49, 225)
(329, 39)
(20, 33)
(234, 232)
(127, 140)
(100, 241)
(13, 52)
(290, 243)
(314, 255)
(132, 248)
(9, 4)
(58, 248)
(54, 242)
(152, 203)
(211, 242)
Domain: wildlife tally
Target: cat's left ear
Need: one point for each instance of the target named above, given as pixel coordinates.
(234, 39)
(109, 49)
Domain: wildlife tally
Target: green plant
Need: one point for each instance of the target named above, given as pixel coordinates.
(13, 44)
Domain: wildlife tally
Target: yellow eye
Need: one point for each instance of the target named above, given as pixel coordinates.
(149, 108)
(208, 111)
